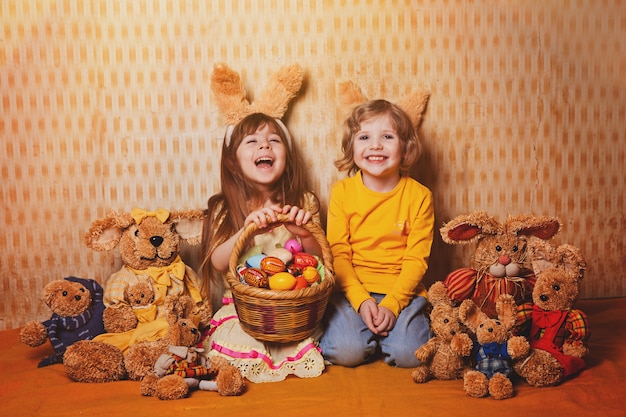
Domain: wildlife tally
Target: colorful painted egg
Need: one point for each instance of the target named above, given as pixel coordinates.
(272, 265)
(293, 246)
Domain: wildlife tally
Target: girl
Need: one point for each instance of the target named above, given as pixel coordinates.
(380, 230)
(261, 175)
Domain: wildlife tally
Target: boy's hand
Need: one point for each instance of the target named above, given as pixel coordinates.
(380, 320)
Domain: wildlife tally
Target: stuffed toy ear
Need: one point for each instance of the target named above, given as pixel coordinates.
(542, 255)
(468, 227)
(438, 294)
(231, 100)
(188, 225)
(104, 234)
(572, 261)
(471, 315)
(543, 227)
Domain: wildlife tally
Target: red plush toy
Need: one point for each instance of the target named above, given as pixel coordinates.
(558, 332)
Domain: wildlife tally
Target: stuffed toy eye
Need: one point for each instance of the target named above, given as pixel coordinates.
(498, 248)
(64, 293)
(556, 287)
(515, 248)
(137, 233)
(446, 321)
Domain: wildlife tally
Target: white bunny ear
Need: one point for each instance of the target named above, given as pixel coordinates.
(231, 100)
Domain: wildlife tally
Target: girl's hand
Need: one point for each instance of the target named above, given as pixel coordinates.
(259, 217)
(380, 320)
(298, 217)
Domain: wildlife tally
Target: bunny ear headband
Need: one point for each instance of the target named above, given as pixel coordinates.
(414, 104)
(233, 104)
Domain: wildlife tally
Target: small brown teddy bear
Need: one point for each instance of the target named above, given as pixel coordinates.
(445, 355)
(77, 307)
(140, 297)
(495, 350)
(499, 264)
(183, 367)
(149, 244)
(558, 333)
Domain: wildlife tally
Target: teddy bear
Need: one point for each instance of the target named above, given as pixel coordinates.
(183, 366)
(558, 333)
(499, 263)
(445, 355)
(149, 244)
(495, 349)
(140, 297)
(77, 306)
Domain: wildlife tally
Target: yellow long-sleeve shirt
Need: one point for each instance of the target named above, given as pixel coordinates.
(381, 242)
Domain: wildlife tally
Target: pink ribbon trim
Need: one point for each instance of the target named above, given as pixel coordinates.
(253, 354)
(215, 323)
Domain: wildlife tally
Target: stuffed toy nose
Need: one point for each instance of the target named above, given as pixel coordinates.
(156, 241)
(504, 260)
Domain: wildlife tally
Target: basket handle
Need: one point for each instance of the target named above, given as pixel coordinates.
(251, 228)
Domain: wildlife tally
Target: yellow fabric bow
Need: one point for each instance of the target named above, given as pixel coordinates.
(162, 279)
(139, 214)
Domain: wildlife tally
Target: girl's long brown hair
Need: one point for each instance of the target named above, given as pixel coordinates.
(227, 210)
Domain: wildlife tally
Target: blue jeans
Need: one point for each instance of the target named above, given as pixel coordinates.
(348, 342)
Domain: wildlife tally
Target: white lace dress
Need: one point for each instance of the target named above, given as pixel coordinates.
(261, 361)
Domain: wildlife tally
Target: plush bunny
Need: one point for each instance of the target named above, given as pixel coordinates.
(558, 332)
(495, 350)
(499, 264)
(149, 243)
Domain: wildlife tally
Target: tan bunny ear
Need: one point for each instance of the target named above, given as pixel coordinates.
(282, 87)
(415, 105)
(350, 96)
(229, 94)
(231, 100)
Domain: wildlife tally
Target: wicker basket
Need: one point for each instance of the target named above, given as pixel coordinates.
(281, 316)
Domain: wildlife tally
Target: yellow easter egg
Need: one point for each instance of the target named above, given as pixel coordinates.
(282, 281)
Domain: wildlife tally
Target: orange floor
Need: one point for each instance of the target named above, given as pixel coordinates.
(369, 390)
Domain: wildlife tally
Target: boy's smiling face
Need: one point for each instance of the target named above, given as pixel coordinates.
(378, 153)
